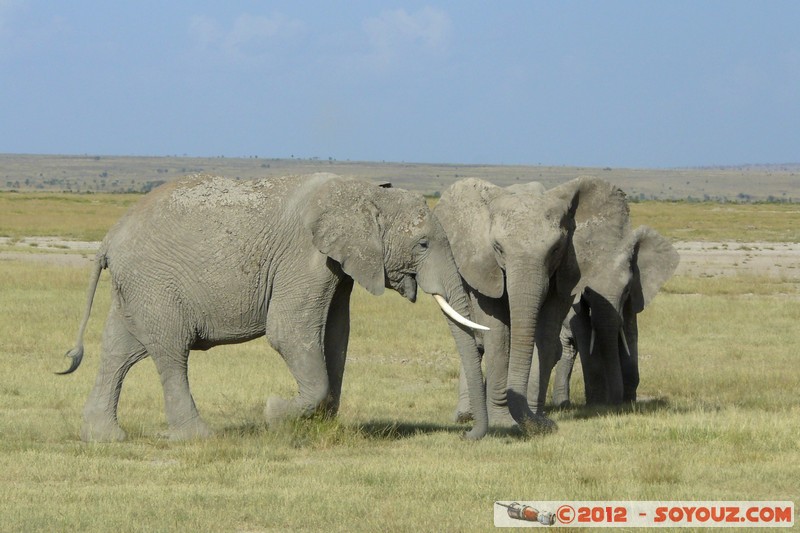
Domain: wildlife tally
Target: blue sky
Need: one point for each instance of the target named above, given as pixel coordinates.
(613, 83)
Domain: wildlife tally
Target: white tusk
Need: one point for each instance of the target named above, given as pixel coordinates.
(452, 313)
(624, 342)
(591, 342)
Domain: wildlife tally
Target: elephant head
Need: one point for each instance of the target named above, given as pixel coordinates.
(514, 248)
(622, 270)
(388, 238)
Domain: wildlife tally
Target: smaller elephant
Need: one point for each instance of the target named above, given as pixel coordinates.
(620, 280)
(205, 261)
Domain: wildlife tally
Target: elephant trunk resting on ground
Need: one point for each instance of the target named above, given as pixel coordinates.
(206, 261)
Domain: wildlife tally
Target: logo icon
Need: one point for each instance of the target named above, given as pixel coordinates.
(517, 511)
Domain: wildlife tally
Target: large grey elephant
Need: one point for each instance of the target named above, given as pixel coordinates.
(621, 272)
(205, 261)
(513, 248)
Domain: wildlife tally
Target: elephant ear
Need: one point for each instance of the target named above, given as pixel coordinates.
(463, 211)
(345, 225)
(653, 261)
(602, 224)
(563, 203)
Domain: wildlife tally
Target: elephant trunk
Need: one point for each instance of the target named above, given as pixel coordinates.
(630, 363)
(607, 348)
(526, 291)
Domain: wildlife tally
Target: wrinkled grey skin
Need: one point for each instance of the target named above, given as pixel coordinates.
(621, 271)
(206, 261)
(514, 251)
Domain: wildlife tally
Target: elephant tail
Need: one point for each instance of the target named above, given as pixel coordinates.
(76, 353)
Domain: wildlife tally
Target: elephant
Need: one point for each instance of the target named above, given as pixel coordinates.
(513, 248)
(621, 270)
(621, 273)
(206, 260)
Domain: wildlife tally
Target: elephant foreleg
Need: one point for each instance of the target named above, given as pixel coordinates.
(337, 334)
(120, 351)
(629, 358)
(548, 351)
(564, 369)
(296, 331)
(492, 313)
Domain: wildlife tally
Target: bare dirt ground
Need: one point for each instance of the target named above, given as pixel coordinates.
(780, 260)
(51, 250)
(697, 258)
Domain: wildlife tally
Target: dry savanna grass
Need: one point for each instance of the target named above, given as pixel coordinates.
(718, 420)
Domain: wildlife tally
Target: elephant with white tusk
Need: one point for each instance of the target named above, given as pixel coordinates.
(608, 272)
(205, 261)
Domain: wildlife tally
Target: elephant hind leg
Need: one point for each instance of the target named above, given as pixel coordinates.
(120, 351)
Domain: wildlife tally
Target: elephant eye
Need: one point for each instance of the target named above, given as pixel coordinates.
(423, 243)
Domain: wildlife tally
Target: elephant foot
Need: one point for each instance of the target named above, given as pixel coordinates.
(561, 400)
(501, 417)
(330, 409)
(193, 429)
(463, 412)
(101, 430)
(498, 417)
(538, 425)
(462, 417)
(279, 410)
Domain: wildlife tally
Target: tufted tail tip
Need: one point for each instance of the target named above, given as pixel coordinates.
(76, 354)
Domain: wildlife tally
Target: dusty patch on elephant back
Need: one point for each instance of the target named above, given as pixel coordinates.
(216, 191)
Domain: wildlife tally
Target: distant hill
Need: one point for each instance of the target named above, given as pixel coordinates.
(780, 182)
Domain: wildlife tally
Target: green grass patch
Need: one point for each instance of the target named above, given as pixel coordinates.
(708, 221)
(73, 216)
